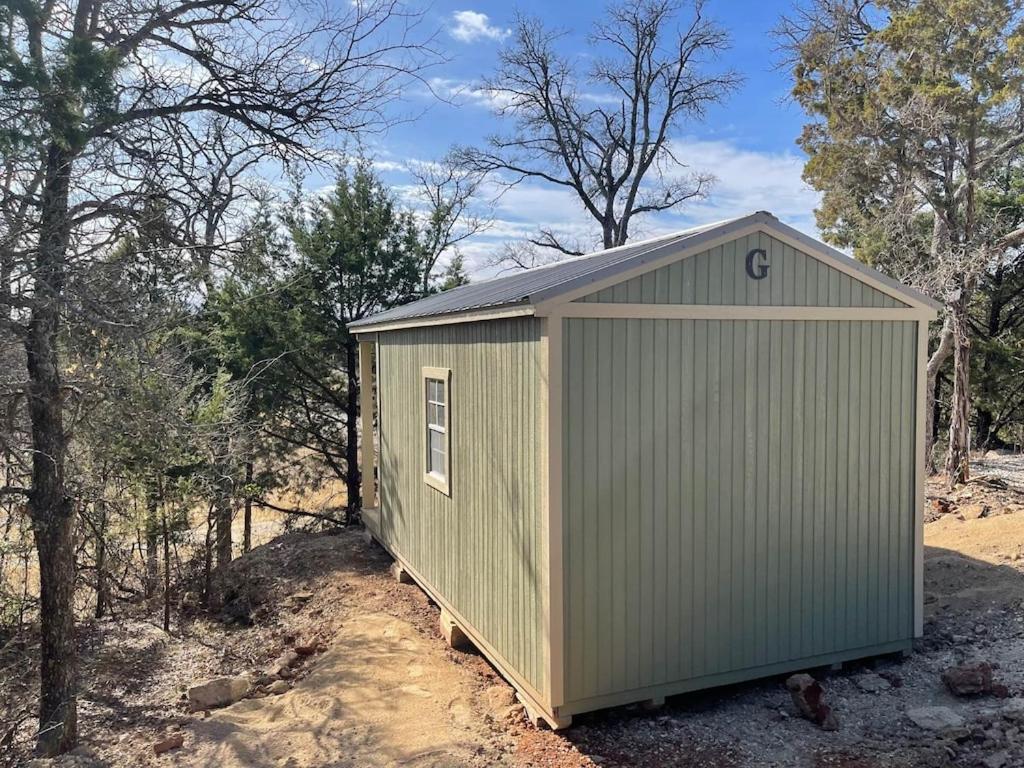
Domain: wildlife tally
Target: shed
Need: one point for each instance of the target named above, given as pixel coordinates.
(677, 464)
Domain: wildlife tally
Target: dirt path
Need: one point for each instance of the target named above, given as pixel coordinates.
(379, 697)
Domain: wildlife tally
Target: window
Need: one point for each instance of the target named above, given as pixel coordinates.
(437, 426)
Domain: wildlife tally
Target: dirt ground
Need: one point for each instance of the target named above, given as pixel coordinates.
(383, 689)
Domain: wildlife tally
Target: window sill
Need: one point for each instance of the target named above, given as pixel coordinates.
(437, 482)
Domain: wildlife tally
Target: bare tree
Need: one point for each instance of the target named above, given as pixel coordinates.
(449, 193)
(102, 103)
(605, 133)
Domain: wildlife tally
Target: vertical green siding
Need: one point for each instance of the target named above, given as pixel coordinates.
(718, 276)
(480, 548)
(736, 495)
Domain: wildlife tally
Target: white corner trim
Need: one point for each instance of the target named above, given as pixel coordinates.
(551, 344)
(919, 463)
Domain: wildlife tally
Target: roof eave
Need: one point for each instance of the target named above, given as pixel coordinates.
(496, 312)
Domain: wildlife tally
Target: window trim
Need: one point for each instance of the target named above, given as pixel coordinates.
(444, 375)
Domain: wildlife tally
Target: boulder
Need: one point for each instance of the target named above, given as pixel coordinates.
(969, 679)
(809, 698)
(217, 693)
(306, 646)
(938, 719)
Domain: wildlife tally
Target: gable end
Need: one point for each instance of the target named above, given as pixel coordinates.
(719, 276)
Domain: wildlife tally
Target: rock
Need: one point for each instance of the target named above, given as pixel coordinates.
(893, 678)
(499, 698)
(166, 745)
(969, 679)
(996, 759)
(809, 697)
(973, 511)
(302, 597)
(872, 683)
(306, 646)
(282, 667)
(937, 507)
(217, 693)
(278, 687)
(1013, 710)
(940, 719)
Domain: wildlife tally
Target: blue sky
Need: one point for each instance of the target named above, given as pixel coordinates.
(747, 142)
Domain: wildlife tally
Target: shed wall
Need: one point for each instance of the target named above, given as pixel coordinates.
(480, 548)
(718, 276)
(737, 495)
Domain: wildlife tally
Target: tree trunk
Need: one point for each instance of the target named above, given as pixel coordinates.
(58, 715)
(102, 592)
(152, 557)
(935, 363)
(208, 556)
(167, 572)
(247, 515)
(958, 455)
(224, 519)
(352, 488)
(49, 507)
(985, 435)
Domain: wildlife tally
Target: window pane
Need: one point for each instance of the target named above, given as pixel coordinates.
(434, 390)
(437, 463)
(431, 413)
(439, 415)
(440, 392)
(437, 442)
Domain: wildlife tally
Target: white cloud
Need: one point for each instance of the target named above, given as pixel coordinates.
(463, 91)
(747, 180)
(470, 26)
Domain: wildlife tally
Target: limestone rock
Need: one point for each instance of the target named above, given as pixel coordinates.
(282, 667)
(217, 693)
(939, 719)
(1013, 710)
(278, 687)
(973, 511)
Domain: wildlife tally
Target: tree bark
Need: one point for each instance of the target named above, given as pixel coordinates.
(958, 455)
(167, 571)
(208, 556)
(152, 557)
(102, 590)
(247, 515)
(50, 509)
(352, 484)
(935, 363)
(224, 519)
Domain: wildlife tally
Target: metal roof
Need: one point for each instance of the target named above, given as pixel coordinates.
(541, 283)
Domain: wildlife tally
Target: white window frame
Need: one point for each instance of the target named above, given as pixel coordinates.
(444, 375)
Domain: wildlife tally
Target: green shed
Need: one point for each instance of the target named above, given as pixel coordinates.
(672, 465)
